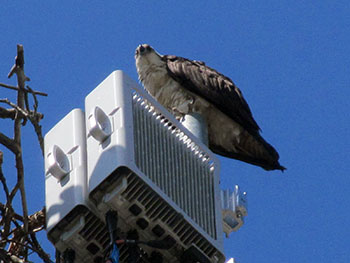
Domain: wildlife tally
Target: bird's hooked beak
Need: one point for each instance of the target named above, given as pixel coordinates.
(142, 50)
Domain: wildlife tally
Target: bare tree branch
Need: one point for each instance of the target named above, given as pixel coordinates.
(17, 232)
(36, 223)
(9, 144)
(34, 120)
(17, 108)
(18, 69)
(35, 106)
(8, 86)
(7, 113)
(4, 256)
(2, 178)
(15, 216)
(30, 91)
(35, 244)
(23, 245)
(33, 116)
(7, 215)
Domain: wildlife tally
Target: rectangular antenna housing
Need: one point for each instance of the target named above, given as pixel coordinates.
(71, 221)
(65, 167)
(143, 163)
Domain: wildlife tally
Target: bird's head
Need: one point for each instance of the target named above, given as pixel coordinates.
(146, 55)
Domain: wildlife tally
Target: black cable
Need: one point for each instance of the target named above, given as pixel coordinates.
(112, 223)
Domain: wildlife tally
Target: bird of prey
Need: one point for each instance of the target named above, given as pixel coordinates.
(185, 86)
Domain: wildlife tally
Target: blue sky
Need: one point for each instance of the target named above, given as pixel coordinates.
(290, 59)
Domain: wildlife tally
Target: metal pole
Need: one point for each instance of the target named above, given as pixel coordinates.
(197, 125)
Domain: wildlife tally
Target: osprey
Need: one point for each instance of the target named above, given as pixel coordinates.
(184, 86)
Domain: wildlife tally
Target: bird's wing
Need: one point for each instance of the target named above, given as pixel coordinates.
(213, 87)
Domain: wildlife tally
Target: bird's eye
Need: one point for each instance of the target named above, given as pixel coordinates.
(142, 49)
(148, 48)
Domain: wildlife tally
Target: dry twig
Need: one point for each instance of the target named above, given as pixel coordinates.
(30, 91)
(18, 231)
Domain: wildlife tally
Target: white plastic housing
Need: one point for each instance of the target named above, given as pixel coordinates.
(109, 145)
(70, 218)
(65, 167)
(152, 170)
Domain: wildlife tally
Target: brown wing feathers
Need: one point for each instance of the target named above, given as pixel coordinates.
(222, 93)
(214, 87)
